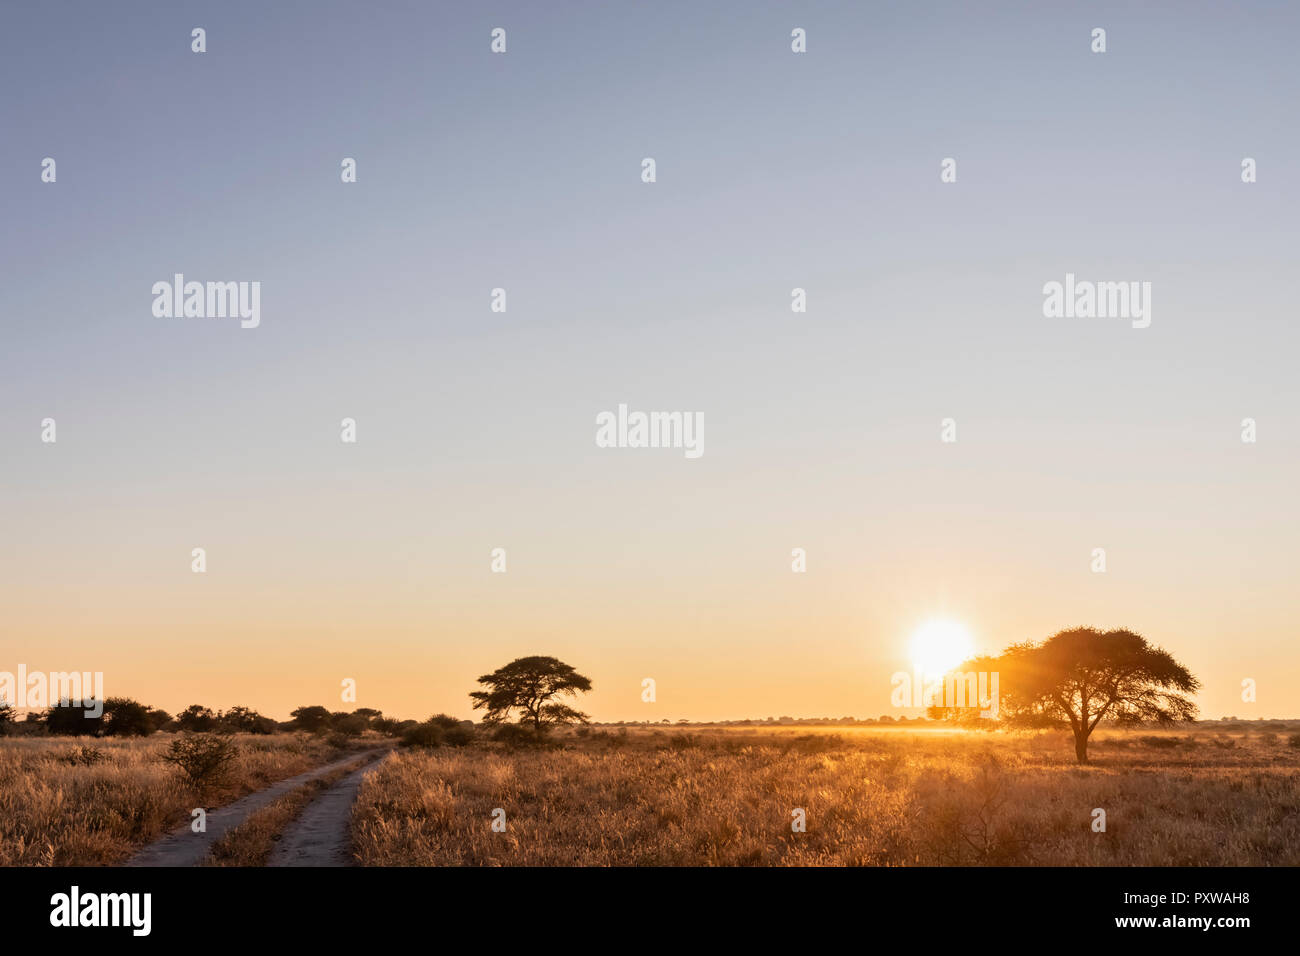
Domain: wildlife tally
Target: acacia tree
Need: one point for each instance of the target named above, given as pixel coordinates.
(529, 685)
(1081, 676)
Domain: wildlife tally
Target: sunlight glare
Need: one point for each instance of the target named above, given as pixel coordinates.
(940, 645)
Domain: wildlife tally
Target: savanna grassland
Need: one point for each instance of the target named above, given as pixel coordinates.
(871, 796)
(82, 801)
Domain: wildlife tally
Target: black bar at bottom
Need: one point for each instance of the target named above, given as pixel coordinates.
(955, 907)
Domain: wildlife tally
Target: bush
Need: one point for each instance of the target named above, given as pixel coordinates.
(69, 718)
(203, 759)
(439, 730)
(196, 719)
(455, 733)
(516, 735)
(124, 717)
(314, 720)
(84, 756)
(462, 735)
(244, 720)
(423, 735)
(350, 725)
(1293, 740)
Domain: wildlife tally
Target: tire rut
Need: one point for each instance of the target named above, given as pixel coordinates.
(183, 847)
(321, 836)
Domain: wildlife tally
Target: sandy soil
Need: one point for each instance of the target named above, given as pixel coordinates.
(185, 848)
(320, 836)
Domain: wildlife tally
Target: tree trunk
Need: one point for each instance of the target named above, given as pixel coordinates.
(1081, 746)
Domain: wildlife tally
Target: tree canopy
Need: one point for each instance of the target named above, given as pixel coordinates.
(530, 685)
(1081, 676)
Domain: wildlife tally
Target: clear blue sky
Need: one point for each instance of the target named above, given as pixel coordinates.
(775, 170)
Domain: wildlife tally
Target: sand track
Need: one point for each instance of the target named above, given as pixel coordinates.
(183, 847)
(321, 836)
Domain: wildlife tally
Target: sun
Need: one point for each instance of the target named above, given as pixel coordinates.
(940, 645)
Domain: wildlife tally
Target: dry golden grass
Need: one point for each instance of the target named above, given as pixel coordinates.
(872, 797)
(56, 812)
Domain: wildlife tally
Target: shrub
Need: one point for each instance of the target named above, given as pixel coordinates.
(350, 725)
(1294, 740)
(244, 720)
(455, 733)
(314, 720)
(439, 730)
(196, 719)
(124, 717)
(203, 759)
(515, 735)
(422, 735)
(462, 735)
(85, 756)
(69, 718)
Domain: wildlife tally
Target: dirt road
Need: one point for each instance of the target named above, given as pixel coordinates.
(321, 835)
(186, 848)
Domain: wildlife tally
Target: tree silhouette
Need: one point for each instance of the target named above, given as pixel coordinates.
(124, 717)
(529, 684)
(314, 719)
(244, 720)
(1081, 676)
(74, 718)
(196, 718)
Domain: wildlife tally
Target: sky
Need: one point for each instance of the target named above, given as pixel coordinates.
(371, 561)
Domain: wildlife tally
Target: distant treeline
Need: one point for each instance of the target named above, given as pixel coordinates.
(1225, 723)
(124, 717)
